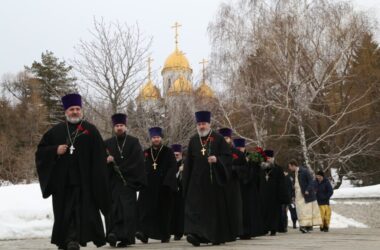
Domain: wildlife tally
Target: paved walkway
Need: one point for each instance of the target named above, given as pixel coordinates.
(354, 239)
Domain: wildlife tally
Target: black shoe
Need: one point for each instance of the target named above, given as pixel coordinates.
(272, 233)
(216, 244)
(193, 240)
(72, 245)
(321, 229)
(303, 230)
(177, 237)
(142, 237)
(122, 244)
(326, 229)
(294, 225)
(167, 240)
(245, 237)
(309, 229)
(112, 239)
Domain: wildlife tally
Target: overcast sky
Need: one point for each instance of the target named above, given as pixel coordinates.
(29, 27)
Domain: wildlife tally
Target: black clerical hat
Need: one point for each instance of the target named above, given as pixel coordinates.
(155, 131)
(203, 116)
(176, 147)
(226, 132)
(119, 118)
(239, 143)
(71, 100)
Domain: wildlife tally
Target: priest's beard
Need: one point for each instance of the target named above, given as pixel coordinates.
(266, 165)
(120, 132)
(203, 133)
(74, 120)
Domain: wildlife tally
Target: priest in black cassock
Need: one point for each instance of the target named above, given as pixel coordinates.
(233, 193)
(72, 168)
(127, 176)
(207, 172)
(155, 202)
(249, 184)
(178, 209)
(273, 193)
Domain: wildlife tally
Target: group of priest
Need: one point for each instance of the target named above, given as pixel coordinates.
(215, 193)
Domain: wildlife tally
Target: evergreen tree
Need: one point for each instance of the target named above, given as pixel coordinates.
(55, 79)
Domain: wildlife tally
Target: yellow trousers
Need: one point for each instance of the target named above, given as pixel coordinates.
(325, 214)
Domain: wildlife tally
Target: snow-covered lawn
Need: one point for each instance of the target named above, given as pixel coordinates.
(25, 214)
(358, 192)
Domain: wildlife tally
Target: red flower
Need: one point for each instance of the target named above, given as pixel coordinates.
(86, 132)
(235, 156)
(80, 128)
(146, 154)
(211, 139)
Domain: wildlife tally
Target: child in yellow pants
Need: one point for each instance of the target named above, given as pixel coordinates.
(324, 193)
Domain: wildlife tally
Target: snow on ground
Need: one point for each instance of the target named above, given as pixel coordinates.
(358, 192)
(25, 214)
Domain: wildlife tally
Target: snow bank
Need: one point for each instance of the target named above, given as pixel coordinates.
(24, 213)
(358, 192)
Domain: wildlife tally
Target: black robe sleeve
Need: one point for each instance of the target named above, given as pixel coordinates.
(99, 174)
(45, 158)
(133, 168)
(223, 167)
(283, 194)
(170, 179)
(187, 169)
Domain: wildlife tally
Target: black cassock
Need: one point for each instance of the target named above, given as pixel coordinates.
(155, 202)
(234, 204)
(206, 208)
(249, 185)
(122, 219)
(77, 182)
(273, 193)
(177, 225)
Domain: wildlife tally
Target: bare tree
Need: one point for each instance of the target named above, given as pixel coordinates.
(285, 60)
(113, 62)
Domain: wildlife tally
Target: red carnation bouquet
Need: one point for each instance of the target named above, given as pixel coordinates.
(82, 130)
(257, 156)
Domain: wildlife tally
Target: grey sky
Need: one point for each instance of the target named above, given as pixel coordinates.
(28, 27)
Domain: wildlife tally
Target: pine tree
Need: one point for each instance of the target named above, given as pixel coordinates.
(55, 79)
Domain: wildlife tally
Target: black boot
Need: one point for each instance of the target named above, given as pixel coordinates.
(142, 237)
(177, 237)
(165, 240)
(322, 228)
(122, 244)
(294, 225)
(72, 245)
(193, 240)
(112, 239)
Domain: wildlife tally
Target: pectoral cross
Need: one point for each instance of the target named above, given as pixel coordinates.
(72, 149)
(203, 150)
(155, 166)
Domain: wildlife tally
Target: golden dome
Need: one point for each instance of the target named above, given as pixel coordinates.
(181, 85)
(204, 91)
(149, 91)
(176, 61)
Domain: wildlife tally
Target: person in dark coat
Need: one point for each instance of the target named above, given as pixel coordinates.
(292, 206)
(72, 168)
(273, 193)
(127, 176)
(249, 184)
(324, 193)
(305, 197)
(233, 193)
(155, 202)
(177, 224)
(207, 171)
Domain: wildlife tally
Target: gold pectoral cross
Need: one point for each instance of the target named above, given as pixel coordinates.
(154, 166)
(203, 150)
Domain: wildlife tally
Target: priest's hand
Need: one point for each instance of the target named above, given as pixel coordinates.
(212, 159)
(181, 168)
(110, 159)
(62, 149)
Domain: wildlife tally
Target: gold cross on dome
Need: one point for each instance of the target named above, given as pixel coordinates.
(150, 60)
(203, 62)
(175, 27)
